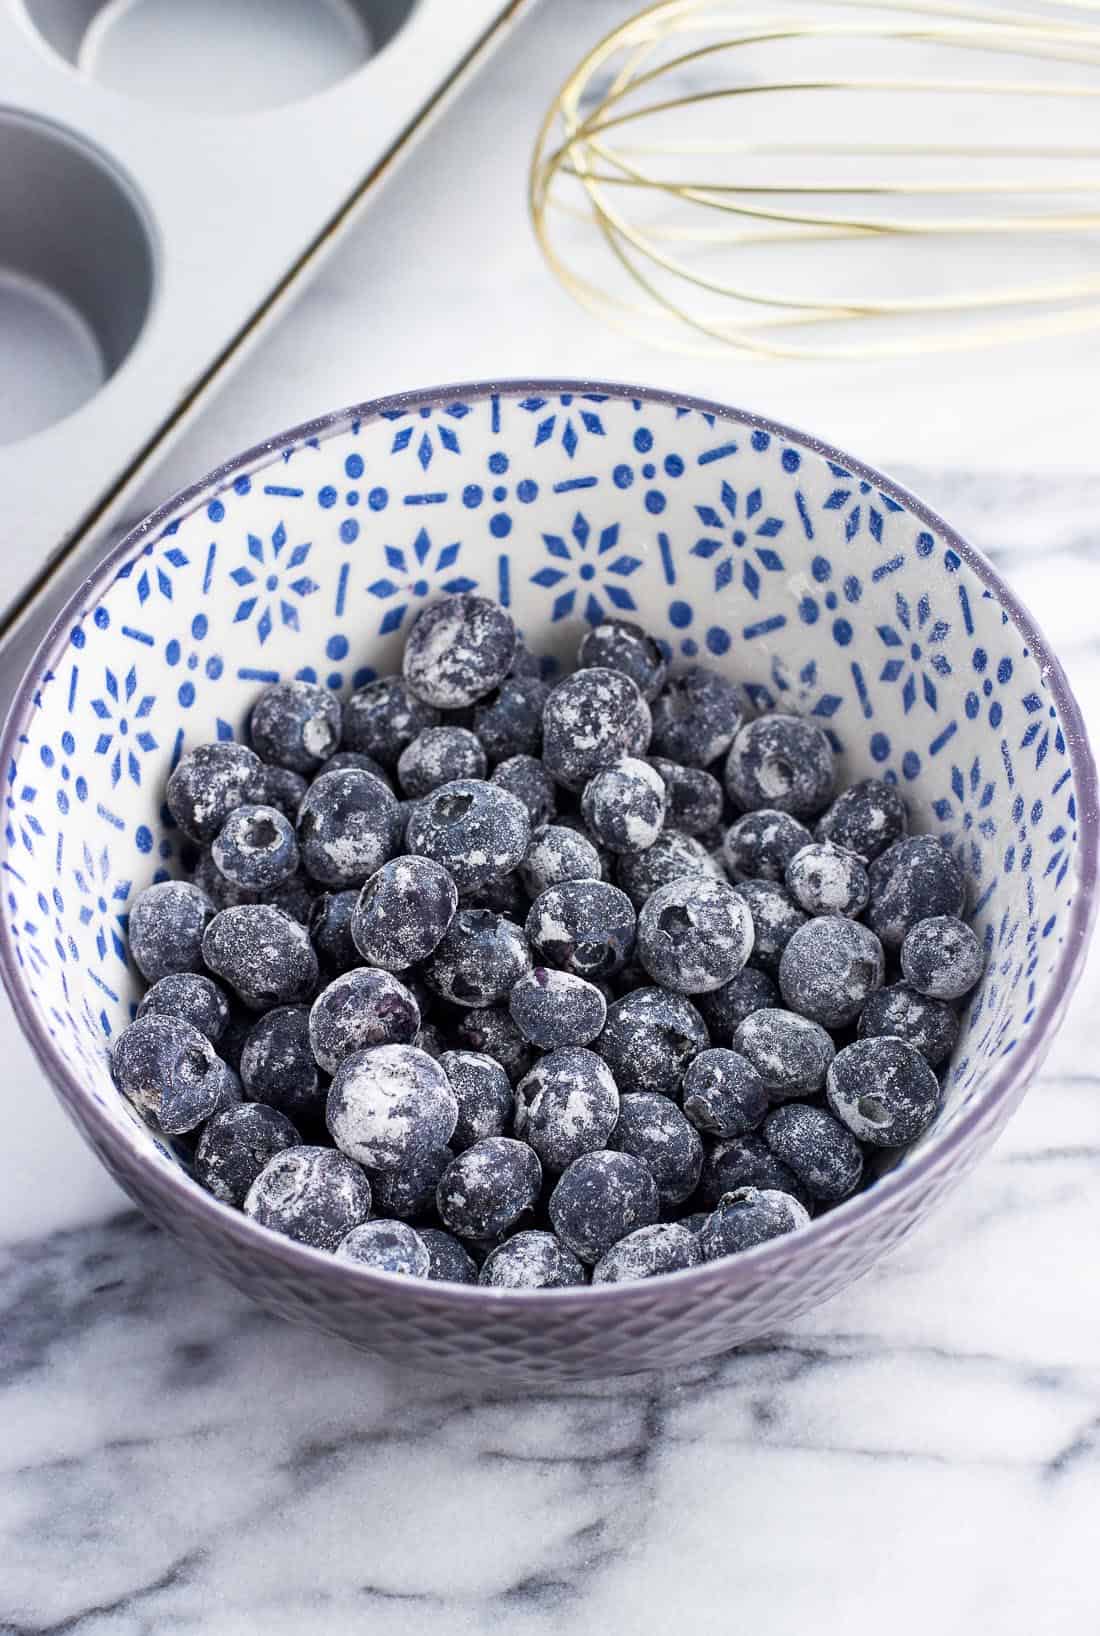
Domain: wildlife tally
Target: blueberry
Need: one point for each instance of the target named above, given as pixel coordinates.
(310, 1194)
(348, 826)
(583, 926)
(295, 725)
(458, 649)
(532, 1260)
(330, 929)
(866, 818)
(476, 830)
(483, 1092)
(723, 1094)
(502, 897)
(493, 1033)
(193, 999)
(389, 1106)
(600, 1199)
(526, 778)
(363, 1007)
(574, 821)
(693, 797)
(207, 783)
(824, 879)
(386, 1246)
(439, 755)
(294, 897)
(746, 1161)
(624, 805)
(942, 958)
(829, 969)
(725, 1009)
(430, 1037)
(747, 1217)
(775, 919)
(913, 880)
(929, 1026)
(263, 954)
(696, 717)
(509, 721)
(783, 762)
(556, 854)
(760, 845)
(236, 1144)
(282, 789)
(526, 663)
(358, 759)
(617, 644)
(223, 893)
(825, 1157)
(448, 1261)
(480, 959)
(652, 1128)
(790, 1053)
(277, 1063)
(884, 1091)
(555, 1008)
(403, 912)
(649, 1038)
(170, 1072)
(167, 925)
(694, 935)
(567, 1105)
(671, 857)
(237, 1030)
(255, 848)
(489, 1188)
(384, 716)
(591, 720)
(666, 1246)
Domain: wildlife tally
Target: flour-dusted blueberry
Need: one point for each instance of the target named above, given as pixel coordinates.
(509, 721)
(747, 1217)
(360, 1008)
(526, 778)
(693, 796)
(194, 999)
(695, 1222)
(330, 930)
(866, 818)
(282, 789)
(449, 1262)
(458, 650)
(672, 856)
(277, 1064)
(942, 957)
(348, 826)
(618, 644)
(264, 955)
(256, 848)
(222, 892)
(783, 762)
(555, 854)
(761, 844)
(790, 1053)
(431, 1038)
(725, 1009)
(574, 821)
(649, 1038)
(311, 1194)
(294, 897)
(600, 1198)
(479, 961)
(745, 1161)
(170, 1072)
(696, 717)
(653, 1129)
(358, 759)
(237, 1030)
(501, 897)
(166, 928)
(408, 1194)
(825, 879)
(476, 830)
(236, 1144)
(624, 805)
(493, 1033)
(484, 1095)
(775, 919)
(821, 1152)
(829, 969)
(591, 720)
(207, 783)
(567, 1105)
(386, 1246)
(694, 935)
(490, 1187)
(384, 716)
(724, 1094)
(389, 1106)
(929, 1026)
(295, 725)
(437, 756)
(884, 1091)
(666, 1246)
(532, 1260)
(403, 912)
(913, 880)
(583, 926)
(555, 1008)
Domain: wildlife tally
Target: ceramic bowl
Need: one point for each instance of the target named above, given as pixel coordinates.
(815, 581)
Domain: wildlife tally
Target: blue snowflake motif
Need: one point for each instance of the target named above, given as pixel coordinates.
(438, 437)
(420, 577)
(121, 713)
(987, 680)
(862, 507)
(967, 811)
(176, 653)
(24, 935)
(746, 519)
(588, 570)
(157, 576)
(826, 598)
(271, 579)
(912, 644)
(103, 907)
(798, 692)
(60, 767)
(567, 418)
(1042, 733)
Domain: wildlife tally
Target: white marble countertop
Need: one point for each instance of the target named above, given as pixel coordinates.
(921, 1453)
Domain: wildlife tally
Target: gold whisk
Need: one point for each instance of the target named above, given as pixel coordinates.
(776, 180)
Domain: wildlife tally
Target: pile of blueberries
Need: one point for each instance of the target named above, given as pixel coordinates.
(488, 979)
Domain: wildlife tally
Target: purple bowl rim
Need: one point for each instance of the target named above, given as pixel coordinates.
(752, 1266)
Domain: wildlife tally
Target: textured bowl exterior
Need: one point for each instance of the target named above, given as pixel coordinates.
(816, 582)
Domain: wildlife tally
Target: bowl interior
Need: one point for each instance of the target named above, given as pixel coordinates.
(813, 581)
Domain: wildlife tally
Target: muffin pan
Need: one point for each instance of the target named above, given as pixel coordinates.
(163, 166)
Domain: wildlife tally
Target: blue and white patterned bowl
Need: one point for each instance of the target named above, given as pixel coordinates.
(817, 582)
